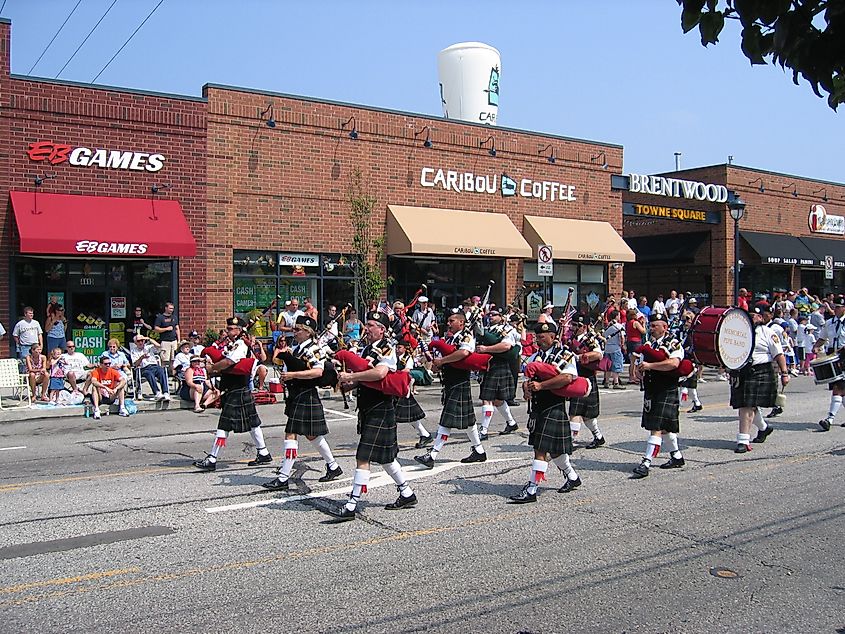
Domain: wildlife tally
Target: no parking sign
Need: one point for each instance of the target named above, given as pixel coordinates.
(545, 258)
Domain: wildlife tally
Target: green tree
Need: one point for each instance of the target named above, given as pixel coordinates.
(806, 36)
(369, 250)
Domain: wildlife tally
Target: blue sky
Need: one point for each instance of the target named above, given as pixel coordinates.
(616, 71)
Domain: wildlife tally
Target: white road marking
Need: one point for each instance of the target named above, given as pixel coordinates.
(10, 448)
(342, 414)
(381, 479)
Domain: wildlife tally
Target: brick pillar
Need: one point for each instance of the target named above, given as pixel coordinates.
(721, 261)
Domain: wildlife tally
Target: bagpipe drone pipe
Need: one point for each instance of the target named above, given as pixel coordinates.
(654, 355)
(539, 371)
(394, 384)
(241, 368)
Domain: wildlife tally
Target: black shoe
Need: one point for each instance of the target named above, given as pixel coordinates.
(331, 474)
(402, 503)
(509, 429)
(423, 441)
(260, 460)
(673, 463)
(276, 485)
(776, 411)
(597, 442)
(513, 402)
(570, 485)
(762, 435)
(523, 497)
(344, 515)
(474, 456)
(825, 424)
(742, 448)
(205, 464)
(695, 408)
(640, 471)
(425, 460)
(482, 436)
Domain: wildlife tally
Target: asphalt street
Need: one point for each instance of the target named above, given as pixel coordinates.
(106, 526)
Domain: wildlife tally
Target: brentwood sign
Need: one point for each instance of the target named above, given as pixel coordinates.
(677, 188)
(56, 153)
(130, 248)
(453, 180)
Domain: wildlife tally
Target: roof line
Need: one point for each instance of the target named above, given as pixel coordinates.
(134, 91)
(756, 170)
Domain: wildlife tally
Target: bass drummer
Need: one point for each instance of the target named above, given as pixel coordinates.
(832, 337)
(754, 386)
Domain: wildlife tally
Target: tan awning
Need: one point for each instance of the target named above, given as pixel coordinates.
(430, 231)
(582, 240)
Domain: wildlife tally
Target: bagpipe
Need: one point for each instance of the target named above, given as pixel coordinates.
(475, 362)
(540, 371)
(396, 384)
(241, 368)
(491, 338)
(655, 355)
(293, 364)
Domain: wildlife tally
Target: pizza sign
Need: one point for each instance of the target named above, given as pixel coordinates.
(822, 222)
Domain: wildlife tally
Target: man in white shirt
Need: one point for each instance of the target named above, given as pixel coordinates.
(658, 306)
(182, 360)
(424, 317)
(76, 366)
(26, 333)
(144, 356)
(673, 304)
(288, 319)
(196, 346)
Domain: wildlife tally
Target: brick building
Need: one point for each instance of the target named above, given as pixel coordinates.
(791, 224)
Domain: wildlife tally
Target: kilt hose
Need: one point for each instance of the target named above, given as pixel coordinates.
(408, 410)
(305, 414)
(549, 430)
(238, 413)
(498, 383)
(458, 411)
(690, 382)
(660, 410)
(754, 386)
(587, 406)
(377, 426)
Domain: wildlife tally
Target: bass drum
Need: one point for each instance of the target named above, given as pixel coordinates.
(722, 337)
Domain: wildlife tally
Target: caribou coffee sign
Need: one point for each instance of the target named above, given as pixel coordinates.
(677, 188)
(469, 182)
(56, 153)
(822, 222)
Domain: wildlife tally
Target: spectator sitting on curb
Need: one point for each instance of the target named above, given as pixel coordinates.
(144, 356)
(76, 366)
(196, 344)
(106, 386)
(182, 360)
(36, 372)
(196, 387)
(118, 358)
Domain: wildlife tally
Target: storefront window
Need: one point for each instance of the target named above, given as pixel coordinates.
(587, 280)
(254, 263)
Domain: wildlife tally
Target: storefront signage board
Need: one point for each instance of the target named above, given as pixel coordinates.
(299, 259)
(57, 153)
(90, 341)
(118, 307)
(677, 188)
(662, 212)
(822, 222)
(470, 182)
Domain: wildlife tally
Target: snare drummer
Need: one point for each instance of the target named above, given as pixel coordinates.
(832, 337)
(755, 386)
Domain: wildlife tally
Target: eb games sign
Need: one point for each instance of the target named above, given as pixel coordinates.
(58, 153)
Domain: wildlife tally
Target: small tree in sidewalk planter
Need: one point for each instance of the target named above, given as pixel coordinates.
(370, 280)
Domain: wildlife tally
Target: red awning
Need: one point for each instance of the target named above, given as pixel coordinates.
(102, 227)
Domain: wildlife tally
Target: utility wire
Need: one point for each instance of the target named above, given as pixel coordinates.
(86, 38)
(127, 41)
(54, 37)
(3, 7)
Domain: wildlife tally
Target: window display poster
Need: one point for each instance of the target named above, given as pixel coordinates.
(118, 308)
(117, 331)
(55, 297)
(90, 341)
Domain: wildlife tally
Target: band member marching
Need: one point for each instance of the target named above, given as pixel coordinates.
(549, 431)
(498, 385)
(305, 364)
(376, 420)
(660, 398)
(832, 337)
(754, 386)
(586, 410)
(458, 411)
(689, 383)
(238, 413)
(407, 408)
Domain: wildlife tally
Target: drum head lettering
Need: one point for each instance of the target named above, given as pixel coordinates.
(735, 339)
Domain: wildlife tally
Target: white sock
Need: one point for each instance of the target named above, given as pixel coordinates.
(394, 470)
(563, 463)
(574, 428)
(291, 447)
(322, 446)
(759, 423)
(258, 439)
(538, 474)
(486, 416)
(593, 425)
(652, 448)
(474, 439)
(672, 445)
(693, 392)
(743, 439)
(219, 443)
(421, 430)
(835, 404)
(442, 437)
(359, 487)
(505, 411)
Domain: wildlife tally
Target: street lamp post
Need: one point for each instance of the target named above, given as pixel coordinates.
(737, 208)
